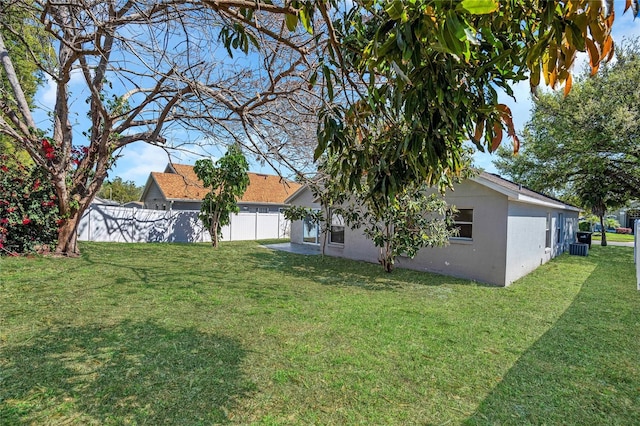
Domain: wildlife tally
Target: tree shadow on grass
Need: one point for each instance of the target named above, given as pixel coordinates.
(584, 370)
(335, 271)
(129, 373)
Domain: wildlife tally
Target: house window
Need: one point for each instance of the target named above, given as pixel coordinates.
(311, 230)
(547, 242)
(336, 231)
(463, 222)
(560, 229)
(263, 210)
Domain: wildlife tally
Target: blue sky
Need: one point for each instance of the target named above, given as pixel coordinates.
(139, 159)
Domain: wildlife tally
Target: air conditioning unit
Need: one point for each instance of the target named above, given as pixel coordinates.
(578, 249)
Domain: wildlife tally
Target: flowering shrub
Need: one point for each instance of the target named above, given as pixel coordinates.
(623, 230)
(28, 207)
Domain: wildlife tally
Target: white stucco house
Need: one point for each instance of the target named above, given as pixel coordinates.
(505, 232)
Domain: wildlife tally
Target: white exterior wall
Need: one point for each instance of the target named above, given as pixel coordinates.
(526, 243)
(481, 259)
(304, 199)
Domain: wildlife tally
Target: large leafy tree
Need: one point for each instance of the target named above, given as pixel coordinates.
(120, 190)
(585, 147)
(24, 40)
(227, 180)
(147, 69)
(418, 78)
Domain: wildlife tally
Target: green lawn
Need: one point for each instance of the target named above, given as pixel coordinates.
(182, 334)
(620, 238)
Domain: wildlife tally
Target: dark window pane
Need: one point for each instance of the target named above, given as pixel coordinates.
(337, 234)
(464, 215)
(465, 231)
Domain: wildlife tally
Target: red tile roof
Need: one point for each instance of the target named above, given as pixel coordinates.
(185, 185)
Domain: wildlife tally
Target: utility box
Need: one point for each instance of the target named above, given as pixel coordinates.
(584, 238)
(579, 249)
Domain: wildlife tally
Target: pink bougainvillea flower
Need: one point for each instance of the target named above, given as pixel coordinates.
(36, 184)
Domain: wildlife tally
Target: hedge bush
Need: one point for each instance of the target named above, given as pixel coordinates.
(28, 208)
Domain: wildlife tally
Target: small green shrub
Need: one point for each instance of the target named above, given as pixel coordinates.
(584, 226)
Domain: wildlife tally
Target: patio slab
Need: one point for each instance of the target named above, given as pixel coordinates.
(306, 249)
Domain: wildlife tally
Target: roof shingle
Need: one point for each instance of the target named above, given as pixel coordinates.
(185, 185)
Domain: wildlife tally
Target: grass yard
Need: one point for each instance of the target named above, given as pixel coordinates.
(612, 237)
(182, 334)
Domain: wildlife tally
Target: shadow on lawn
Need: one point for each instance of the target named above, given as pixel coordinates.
(327, 270)
(584, 370)
(130, 373)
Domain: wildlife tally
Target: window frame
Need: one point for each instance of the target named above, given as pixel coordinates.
(463, 222)
(331, 230)
(547, 235)
(560, 229)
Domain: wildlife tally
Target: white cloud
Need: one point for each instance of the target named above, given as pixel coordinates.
(46, 95)
(138, 160)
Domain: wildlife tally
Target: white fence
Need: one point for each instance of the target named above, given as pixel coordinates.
(122, 224)
(636, 250)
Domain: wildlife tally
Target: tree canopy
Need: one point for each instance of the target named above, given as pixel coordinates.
(23, 38)
(419, 78)
(120, 190)
(585, 147)
(227, 180)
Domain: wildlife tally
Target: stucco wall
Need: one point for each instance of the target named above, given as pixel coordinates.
(526, 244)
(481, 258)
(304, 199)
(508, 241)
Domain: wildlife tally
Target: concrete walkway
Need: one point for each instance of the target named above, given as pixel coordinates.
(306, 249)
(613, 243)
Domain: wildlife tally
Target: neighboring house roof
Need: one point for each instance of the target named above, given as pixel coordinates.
(104, 202)
(136, 204)
(179, 182)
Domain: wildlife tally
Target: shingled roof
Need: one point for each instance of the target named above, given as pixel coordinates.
(519, 191)
(179, 182)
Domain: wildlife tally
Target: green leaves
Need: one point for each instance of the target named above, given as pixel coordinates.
(291, 21)
(401, 224)
(478, 7)
(227, 180)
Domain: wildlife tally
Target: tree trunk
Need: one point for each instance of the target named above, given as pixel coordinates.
(213, 231)
(603, 232)
(68, 238)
